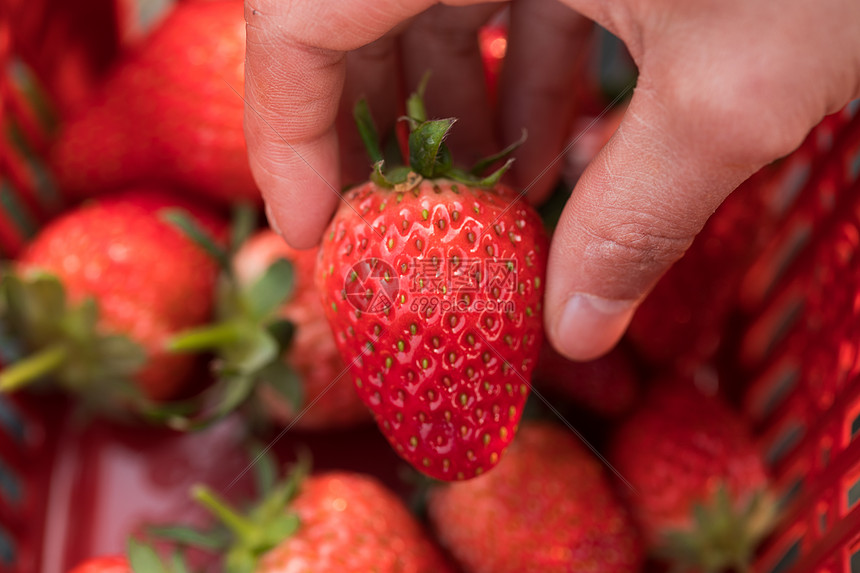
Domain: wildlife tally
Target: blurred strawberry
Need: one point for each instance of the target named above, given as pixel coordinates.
(701, 484)
(607, 386)
(547, 507)
(270, 339)
(70, 46)
(330, 523)
(329, 394)
(97, 293)
(493, 39)
(171, 112)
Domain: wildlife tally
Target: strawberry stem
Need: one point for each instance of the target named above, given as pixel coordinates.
(241, 526)
(207, 338)
(33, 367)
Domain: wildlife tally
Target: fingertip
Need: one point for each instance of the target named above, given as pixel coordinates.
(300, 219)
(585, 326)
(300, 186)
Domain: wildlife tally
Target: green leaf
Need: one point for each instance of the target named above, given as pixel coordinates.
(177, 563)
(237, 391)
(213, 337)
(286, 383)
(389, 180)
(190, 537)
(282, 330)
(79, 326)
(482, 164)
(379, 177)
(189, 227)
(144, 559)
(242, 226)
(240, 560)
(265, 472)
(15, 303)
(33, 306)
(271, 290)
(367, 130)
(273, 506)
(254, 350)
(494, 177)
(280, 528)
(121, 357)
(415, 104)
(427, 155)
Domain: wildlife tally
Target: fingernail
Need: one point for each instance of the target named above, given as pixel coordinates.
(273, 223)
(590, 325)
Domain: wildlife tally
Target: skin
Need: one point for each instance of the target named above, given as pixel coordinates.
(725, 87)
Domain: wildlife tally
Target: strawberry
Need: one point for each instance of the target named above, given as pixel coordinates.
(270, 341)
(702, 486)
(336, 522)
(547, 507)
(432, 281)
(607, 386)
(168, 112)
(100, 289)
(332, 400)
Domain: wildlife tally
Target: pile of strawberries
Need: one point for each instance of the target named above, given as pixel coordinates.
(157, 297)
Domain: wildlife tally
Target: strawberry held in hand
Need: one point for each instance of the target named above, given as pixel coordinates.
(546, 508)
(101, 288)
(168, 112)
(702, 487)
(432, 280)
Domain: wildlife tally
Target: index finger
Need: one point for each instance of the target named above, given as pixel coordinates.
(294, 73)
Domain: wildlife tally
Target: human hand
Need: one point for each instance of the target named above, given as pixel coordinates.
(724, 88)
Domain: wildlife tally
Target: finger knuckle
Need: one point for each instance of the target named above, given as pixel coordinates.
(637, 244)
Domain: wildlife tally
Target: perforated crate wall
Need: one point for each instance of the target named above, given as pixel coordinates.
(799, 351)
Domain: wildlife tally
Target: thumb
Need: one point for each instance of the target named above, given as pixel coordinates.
(634, 212)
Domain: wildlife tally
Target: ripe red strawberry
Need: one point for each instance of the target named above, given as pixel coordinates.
(101, 288)
(168, 112)
(330, 523)
(547, 508)
(701, 485)
(607, 386)
(432, 280)
(330, 396)
(109, 564)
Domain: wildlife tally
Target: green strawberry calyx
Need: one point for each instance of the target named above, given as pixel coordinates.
(429, 156)
(143, 558)
(723, 535)
(249, 535)
(247, 336)
(62, 340)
